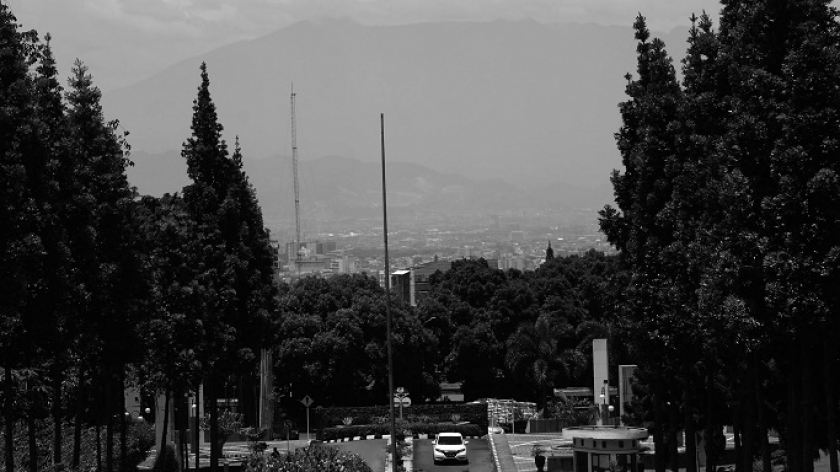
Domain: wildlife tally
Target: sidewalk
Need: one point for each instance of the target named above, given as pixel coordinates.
(501, 453)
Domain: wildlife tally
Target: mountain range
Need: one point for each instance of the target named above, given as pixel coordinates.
(475, 111)
(336, 188)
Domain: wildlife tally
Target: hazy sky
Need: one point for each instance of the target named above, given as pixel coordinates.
(125, 41)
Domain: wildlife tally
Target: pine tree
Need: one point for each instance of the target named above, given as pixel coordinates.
(728, 215)
(642, 227)
(54, 303)
(114, 280)
(19, 214)
(235, 249)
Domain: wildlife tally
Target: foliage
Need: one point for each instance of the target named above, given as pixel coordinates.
(229, 423)
(727, 215)
(332, 340)
(416, 414)
(380, 430)
(572, 412)
(140, 439)
(309, 459)
(520, 334)
(232, 245)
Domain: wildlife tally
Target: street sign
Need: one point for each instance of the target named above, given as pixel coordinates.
(404, 401)
(307, 401)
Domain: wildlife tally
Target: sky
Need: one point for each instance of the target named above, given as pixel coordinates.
(125, 41)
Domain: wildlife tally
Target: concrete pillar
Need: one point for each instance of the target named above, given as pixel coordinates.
(600, 380)
(625, 392)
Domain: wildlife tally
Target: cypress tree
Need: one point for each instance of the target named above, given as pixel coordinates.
(19, 213)
(55, 306)
(100, 156)
(235, 249)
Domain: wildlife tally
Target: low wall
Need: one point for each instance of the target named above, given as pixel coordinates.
(549, 425)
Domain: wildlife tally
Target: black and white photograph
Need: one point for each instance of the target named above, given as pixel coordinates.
(419, 235)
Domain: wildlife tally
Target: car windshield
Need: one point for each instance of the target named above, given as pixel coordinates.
(449, 440)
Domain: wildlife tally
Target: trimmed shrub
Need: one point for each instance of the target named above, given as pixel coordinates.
(437, 413)
(310, 459)
(349, 432)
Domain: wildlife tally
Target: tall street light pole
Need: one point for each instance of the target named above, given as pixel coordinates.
(388, 305)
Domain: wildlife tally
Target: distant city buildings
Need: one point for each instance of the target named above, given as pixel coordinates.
(419, 246)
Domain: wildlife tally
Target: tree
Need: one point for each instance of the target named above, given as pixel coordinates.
(727, 218)
(642, 229)
(19, 215)
(235, 251)
(55, 191)
(331, 339)
(114, 277)
(543, 355)
(173, 329)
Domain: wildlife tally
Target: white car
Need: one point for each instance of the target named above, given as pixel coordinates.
(450, 447)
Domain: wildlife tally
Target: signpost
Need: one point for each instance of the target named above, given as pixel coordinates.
(287, 425)
(401, 398)
(307, 402)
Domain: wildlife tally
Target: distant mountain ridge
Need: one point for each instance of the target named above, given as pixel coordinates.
(341, 187)
(530, 103)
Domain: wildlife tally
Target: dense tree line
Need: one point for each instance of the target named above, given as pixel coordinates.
(500, 333)
(103, 288)
(727, 221)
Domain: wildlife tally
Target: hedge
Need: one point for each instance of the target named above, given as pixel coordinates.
(310, 459)
(475, 413)
(379, 430)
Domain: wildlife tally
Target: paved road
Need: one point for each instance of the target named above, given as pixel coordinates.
(478, 453)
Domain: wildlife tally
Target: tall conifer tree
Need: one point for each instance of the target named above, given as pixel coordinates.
(115, 279)
(18, 215)
(639, 227)
(235, 249)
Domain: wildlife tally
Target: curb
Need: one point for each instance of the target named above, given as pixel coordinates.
(495, 453)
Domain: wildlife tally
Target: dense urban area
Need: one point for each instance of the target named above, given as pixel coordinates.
(510, 241)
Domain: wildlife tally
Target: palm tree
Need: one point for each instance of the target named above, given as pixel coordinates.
(543, 354)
